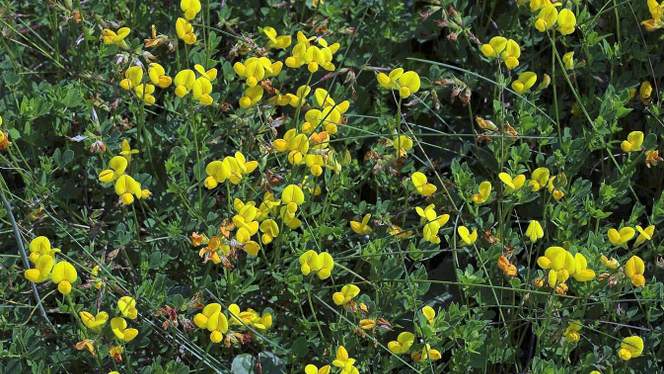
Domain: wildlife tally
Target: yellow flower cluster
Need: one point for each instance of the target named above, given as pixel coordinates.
(561, 264)
(126, 187)
(315, 52)
(200, 87)
(432, 222)
(183, 28)
(656, 20)
(548, 17)
(217, 323)
(321, 264)
(253, 71)
(231, 168)
(508, 50)
(42, 257)
(406, 82)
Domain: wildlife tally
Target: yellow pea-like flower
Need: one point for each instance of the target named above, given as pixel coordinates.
(210, 74)
(406, 82)
(511, 54)
(421, 184)
(402, 144)
(120, 330)
(609, 263)
(566, 22)
(319, 264)
(158, 76)
(644, 234)
(429, 313)
(145, 91)
(467, 237)
(524, 82)
(534, 232)
(547, 18)
(292, 196)
(560, 264)
(536, 5)
(93, 322)
(127, 307)
(635, 269)
(633, 142)
(645, 91)
(270, 230)
(41, 270)
(581, 273)
(512, 184)
(127, 188)
(190, 8)
(494, 48)
(313, 369)
(115, 37)
(344, 362)
(346, 295)
(41, 246)
(362, 228)
(213, 320)
(64, 274)
(568, 60)
(276, 41)
(201, 90)
(539, 178)
(185, 31)
(184, 82)
(630, 347)
(483, 194)
(403, 343)
(432, 223)
(656, 21)
(251, 96)
(132, 77)
(622, 237)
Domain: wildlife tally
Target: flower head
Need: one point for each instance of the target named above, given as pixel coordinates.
(633, 142)
(185, 31)
(64, 274)
(534, 231)
(213, 320)
(115, 37)
(320, 264)
(467, 237)
(630, 347)
(634, 270)
(483, 194)
(403, 343)
(120, 330)
(127, 307)
(361, 228)
(346, 295)
(421, 184)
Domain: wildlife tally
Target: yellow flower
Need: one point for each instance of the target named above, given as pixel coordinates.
(645, 91)
(422, 186)
(427, 353)
(547, 18)
(403, 343)
(402, 144)
(620, 238)
(210, 74)
(313, 369)
(276, 41)
(120, 330)
(319, 264)
(581, 273)
(630, 347)
(314, 56)
(644, 234)
(432, 222)
(512, 183)
(633, 142)
(566, 22)
(41, 246)
(534, 231)
(185, 31)
(42, 269)
(484, 192)
(511, 54)
(64, 274)
(126, 188)
(634, 270)
(255, 69)
(270, 230)
(116, 353)
(127, 307)
(86, 344)
(346, 295)
(494, 48)
(344, 362)
(367, 324)
(657, 16)
(524, 82)
(184, 82)
(406, 82)
(560, 264)
(539, 179)
(133, 77)
(117, 38)
(429, 313)
(145, 93)
(158, 76)
(201, 90)
(568, 60)
(93, 322)
(611, 263)
(571, 333)
(190, 8)
(361, 228)
(231, 168)
(536, 5)
(555, 192)
(466, 236)
(213, 320)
